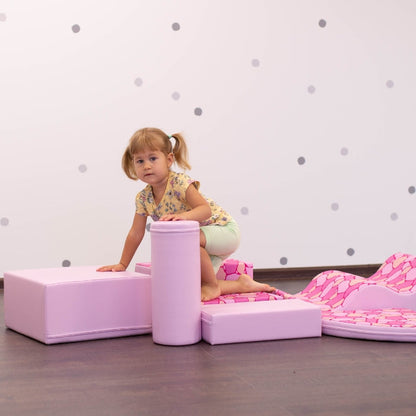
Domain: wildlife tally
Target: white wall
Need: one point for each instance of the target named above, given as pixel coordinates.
(279, 82)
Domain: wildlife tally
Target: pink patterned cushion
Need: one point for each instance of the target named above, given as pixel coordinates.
(248, 297)
(357, 307)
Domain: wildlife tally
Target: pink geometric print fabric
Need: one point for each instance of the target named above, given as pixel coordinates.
(332, 290)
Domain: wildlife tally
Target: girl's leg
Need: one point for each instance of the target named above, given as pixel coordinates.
(211, 288)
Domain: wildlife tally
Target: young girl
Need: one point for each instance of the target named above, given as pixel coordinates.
(171, 196)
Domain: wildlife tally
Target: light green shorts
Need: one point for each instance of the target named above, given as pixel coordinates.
(221, 241)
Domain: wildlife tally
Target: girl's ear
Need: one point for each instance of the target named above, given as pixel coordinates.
(170, 158)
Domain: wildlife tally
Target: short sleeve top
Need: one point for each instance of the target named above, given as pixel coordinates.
(174, 201)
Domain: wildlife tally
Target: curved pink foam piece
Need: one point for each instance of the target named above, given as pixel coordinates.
(390, 324)
(389, 293)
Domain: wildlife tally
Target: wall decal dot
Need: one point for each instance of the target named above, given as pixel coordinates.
(301, 160)
(66, 263)
(4, 221)
(350, 251)
(335, 206)
(198, 111)
(389, 84)
(322, 23)
(176, 26)
(411, 189)
(344, 151)
(176, 96)
(76, 28)
(3, 17)
(244, 210)
(394, 216)
(283, 261)
(138, 82)
(82, 168)
(255, 63)
(311, 89)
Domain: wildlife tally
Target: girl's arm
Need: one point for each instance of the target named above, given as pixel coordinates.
(200, 208)
(133, 240)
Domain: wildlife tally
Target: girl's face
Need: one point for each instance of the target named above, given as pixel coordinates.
(152, 166)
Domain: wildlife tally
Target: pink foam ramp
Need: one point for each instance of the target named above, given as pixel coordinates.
(260, 321)
(77, 303)
(381, 307)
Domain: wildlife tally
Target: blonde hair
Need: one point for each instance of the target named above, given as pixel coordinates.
(154, 139)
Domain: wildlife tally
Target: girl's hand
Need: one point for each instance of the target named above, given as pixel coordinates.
(174, 217)
(112, 268)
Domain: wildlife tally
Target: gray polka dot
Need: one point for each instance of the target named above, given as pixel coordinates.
(389, 84)
(344, 151)
(283, 261)
(335, 206)
(198, 111)
(82, 168)
(244, 210)
(350, 251)
(301, 160)
(255, 63)
(411, 189)
(138, 82)
(66, 263)
(394, 216)
(4, 221)
(76, 28)
(311, 89)
(176, 26)
(322, 23)
(3, 17)
(176, 96)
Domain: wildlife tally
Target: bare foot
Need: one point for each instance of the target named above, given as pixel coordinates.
(209, 292)
(250, 285)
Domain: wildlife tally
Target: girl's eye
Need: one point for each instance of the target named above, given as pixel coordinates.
(139, 161)
(153, 158)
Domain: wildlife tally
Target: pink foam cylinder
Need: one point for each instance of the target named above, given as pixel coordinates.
(176, 282)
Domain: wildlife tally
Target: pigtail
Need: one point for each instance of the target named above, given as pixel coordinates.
(180, 151)
(127, 164)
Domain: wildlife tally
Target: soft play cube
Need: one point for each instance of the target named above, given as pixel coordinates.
(260, 321)
(77, 303)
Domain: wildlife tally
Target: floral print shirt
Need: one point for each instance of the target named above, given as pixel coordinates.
(174, 201)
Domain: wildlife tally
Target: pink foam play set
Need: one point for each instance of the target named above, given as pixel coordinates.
(163, 298)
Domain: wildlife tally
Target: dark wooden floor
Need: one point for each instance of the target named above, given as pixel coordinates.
(132, 376)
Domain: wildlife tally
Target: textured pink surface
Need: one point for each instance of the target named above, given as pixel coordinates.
(248, 297)
(379, 307)
(76, 303)
(231, 269)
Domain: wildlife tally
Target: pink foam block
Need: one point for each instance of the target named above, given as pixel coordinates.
(77, 303)
(260, 321)
(144, 268)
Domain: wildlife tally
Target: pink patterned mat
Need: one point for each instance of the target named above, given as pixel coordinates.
(248, 297)
(381, 307)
